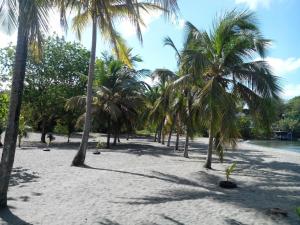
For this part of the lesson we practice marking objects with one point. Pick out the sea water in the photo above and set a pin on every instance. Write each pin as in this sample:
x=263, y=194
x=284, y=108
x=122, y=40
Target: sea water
x=293, y=146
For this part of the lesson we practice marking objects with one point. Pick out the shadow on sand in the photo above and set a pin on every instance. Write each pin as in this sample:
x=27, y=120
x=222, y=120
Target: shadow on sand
x=164, y=217
x=21, y=175
x=11, y=219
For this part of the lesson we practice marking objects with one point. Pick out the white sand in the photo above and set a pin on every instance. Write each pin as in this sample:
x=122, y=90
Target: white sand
x=141, y=182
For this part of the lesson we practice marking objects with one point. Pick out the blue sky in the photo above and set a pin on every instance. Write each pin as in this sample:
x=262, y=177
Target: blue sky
x=279, y=20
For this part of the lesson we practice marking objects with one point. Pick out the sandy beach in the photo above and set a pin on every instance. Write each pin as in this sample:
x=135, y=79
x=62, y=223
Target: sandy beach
x=142, y=182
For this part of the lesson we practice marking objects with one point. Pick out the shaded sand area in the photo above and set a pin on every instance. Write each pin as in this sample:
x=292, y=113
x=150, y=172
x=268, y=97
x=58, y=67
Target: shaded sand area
x=141, y=182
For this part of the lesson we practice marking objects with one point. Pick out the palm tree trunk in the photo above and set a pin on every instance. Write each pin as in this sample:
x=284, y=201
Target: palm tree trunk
x=177, y=141
x=20, y=139
x=159, y=134
x=80, y=156
x=160, y=131
x=8, y=153
x=209, y=151
x=108, y=134
x=43, y=136
x=171, y=130
x=186, y=146
x=1, y=140
x=156, y=133
x=115, y=137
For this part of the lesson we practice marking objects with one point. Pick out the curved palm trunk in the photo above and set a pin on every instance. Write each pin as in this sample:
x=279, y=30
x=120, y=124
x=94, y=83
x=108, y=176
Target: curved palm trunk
x=11, y=133
x=209, y=151
x=80, y=156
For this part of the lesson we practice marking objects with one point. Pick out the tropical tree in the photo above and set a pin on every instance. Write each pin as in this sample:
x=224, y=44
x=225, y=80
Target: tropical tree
x=224, y=60
x=118, y=99
x=58, y=75
x=161, y=105
x=29, y=16
x=23, y=130
x=102, y=14
x=3, y=113
x=183, y=89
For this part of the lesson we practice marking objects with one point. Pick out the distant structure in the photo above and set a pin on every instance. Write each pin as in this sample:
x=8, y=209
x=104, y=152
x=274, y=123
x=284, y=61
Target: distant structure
x=283, y=135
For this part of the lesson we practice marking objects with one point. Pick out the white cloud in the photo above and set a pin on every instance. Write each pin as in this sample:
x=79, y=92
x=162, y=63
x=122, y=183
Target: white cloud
x=282, y=67
x=291, y=90
x=253, y=4
x=128, y=30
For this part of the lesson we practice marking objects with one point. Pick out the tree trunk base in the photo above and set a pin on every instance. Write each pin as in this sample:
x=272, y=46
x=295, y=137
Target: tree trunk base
x=3, y=203
x=207, y=166
x=78, y=161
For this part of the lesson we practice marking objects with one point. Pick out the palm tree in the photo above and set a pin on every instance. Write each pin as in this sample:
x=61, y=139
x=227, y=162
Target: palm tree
x=183, y=93
x=224, y=61
x=29, y=16
x=103, y=13
x=161, y=105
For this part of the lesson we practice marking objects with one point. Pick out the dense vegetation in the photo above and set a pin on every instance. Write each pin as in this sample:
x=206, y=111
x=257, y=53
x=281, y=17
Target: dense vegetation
x=218, y=90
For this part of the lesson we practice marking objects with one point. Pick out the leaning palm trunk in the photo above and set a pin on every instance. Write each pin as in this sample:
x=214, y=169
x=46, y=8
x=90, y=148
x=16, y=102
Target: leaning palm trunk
x=209, y=151
x=11, y=133
x=80, y=156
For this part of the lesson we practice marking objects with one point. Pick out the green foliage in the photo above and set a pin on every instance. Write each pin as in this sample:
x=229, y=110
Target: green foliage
x=298, y=211
x=4, y=103
x=101, y=145
x=245, y=126
x=23, y=129
x=60, y=128
x=59, y=75
x=229, y=170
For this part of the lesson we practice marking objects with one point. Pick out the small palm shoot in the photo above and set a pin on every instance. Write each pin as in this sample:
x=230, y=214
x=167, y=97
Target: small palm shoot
x=228, y=184
x=229, y=170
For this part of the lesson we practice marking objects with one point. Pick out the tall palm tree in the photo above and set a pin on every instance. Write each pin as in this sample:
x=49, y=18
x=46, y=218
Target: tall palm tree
x=183, y=88
x=161, y=106
x=103, y=14
x=30, y=17
x=224, y=60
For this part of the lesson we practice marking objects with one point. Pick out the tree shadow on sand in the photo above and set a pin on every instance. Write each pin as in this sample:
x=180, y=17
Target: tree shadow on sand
x=9, y=218
x=21, y=175
x=278, y=185
x=141, y=149
x=164, y=217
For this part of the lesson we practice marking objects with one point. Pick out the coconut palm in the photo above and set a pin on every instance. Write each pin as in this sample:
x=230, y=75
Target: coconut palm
x=161, y=105
x=103, y=14
x=29, y=17
x=183, y=91
x=118, y=97
x=224, y=60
